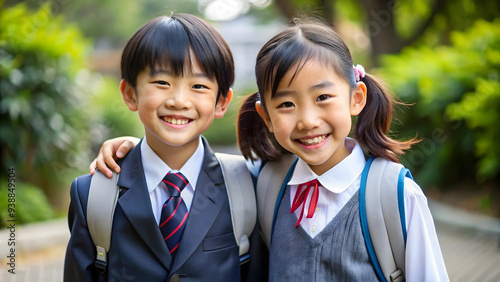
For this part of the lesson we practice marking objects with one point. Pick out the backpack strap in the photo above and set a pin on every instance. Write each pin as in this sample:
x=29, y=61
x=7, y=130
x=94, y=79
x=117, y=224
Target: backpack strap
x=270, y=188
x=101, y=204
x=241, y=194
x=104, y=192
x=381, y=194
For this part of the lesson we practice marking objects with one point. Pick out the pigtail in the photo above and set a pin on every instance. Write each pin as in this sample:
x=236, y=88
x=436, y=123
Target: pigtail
x=253, y=137
x=374, y=122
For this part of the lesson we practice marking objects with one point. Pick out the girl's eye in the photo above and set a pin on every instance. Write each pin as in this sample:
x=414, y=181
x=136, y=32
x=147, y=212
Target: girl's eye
x=322, y=97
x=286, y=105
x=199, y=86
x=161, y=82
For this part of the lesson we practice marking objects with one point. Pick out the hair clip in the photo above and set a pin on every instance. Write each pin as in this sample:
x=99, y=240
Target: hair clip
x=359, y=72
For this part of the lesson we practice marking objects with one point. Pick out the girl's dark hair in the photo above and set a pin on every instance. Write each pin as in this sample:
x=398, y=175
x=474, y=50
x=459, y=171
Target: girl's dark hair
x=289, y=51
x=165, y=42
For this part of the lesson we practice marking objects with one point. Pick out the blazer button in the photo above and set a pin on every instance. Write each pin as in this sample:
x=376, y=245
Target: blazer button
x=175, y=278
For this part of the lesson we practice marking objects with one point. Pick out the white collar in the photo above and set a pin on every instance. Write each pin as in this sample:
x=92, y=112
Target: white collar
x=338, y=178
x=155, y=169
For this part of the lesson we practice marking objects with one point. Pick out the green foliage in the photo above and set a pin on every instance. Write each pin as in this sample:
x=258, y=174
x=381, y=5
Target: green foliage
x=44, y=83
x=31, y=204
x=479, y=107
x=55, y=114
x=450, y=85
x=113, y=116
x=114, y=21
x=223, y=131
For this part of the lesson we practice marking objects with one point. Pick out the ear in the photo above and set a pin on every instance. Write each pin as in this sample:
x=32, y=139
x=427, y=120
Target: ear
x=358, y=99
x=129, y=95
x=223, y=104
x=263, y=114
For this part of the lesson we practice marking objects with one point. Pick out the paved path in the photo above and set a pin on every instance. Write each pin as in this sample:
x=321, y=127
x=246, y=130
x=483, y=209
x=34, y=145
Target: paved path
x=469, y=242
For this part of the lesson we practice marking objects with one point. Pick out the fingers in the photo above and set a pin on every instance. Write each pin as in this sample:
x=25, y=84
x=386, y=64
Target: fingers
x=92, y=167
x=105, y=160
x=110, y=151
x=124, y=148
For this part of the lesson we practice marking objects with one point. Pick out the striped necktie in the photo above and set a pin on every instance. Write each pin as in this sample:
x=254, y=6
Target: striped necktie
x=174, y=211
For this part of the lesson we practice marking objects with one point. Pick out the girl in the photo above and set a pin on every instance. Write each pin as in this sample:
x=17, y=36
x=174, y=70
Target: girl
x=308, y=94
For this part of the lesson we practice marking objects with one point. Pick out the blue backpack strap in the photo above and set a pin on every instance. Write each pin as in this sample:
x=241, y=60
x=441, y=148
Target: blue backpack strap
x=401, y=197
x=381, y=194
x=364, y=220
x=281, y=193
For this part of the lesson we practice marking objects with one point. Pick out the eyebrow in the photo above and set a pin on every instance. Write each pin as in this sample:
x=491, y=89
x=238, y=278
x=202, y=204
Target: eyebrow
x=321, y=85
x=203, y=75
x=167, y=72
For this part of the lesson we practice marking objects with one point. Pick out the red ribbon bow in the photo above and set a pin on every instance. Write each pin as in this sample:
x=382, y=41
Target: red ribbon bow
x=301, y=196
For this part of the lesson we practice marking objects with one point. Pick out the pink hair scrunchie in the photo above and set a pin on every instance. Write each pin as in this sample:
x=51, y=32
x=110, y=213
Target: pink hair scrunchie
x=359, y=72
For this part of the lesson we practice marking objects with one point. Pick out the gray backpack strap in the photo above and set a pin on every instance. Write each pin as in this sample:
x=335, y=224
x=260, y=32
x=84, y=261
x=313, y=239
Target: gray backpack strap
x=103, y=196
x=241, y=194
x=269, y=183
x=384, y=220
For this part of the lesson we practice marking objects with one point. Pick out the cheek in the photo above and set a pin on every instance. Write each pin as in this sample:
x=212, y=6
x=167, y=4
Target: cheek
x=148, y=106
x=205, y=106
x=342, y=122
x=282, y=127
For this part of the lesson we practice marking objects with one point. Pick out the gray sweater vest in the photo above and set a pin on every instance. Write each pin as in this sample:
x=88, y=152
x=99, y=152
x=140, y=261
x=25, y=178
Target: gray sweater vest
x=337, y=253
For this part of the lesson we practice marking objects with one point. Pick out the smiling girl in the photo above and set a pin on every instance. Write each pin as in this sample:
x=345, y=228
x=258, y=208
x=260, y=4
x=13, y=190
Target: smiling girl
x=309, y=93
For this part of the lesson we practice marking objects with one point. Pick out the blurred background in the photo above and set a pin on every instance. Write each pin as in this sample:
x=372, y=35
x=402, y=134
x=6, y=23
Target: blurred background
x=59, y=75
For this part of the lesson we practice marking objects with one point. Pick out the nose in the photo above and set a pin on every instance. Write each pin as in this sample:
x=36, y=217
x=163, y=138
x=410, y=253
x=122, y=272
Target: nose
x=308, y=119
x=180, y=99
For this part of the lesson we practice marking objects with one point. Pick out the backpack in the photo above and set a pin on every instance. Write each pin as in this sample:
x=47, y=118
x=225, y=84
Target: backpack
x=381, y=205
x=104, y=193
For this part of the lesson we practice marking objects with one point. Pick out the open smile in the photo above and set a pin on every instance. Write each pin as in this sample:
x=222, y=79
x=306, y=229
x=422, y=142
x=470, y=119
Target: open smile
x=176, y=121
x=313, y=140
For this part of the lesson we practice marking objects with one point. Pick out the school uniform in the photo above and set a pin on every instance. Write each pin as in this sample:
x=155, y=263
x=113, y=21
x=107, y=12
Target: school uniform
x=207, y=250
x=330, y=245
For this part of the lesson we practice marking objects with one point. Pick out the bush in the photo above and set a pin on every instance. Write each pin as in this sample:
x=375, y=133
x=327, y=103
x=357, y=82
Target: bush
x=450, y=85
x=31, y=204
x=43, y=84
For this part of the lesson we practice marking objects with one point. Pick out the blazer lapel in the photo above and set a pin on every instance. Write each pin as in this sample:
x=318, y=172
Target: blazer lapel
x=209, y=196
x=136, y=205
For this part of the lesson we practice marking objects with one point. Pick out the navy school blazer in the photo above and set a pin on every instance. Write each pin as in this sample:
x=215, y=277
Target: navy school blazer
x=207, y=251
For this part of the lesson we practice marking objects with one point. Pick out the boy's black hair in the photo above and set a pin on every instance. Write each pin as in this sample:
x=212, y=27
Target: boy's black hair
x=165, y=42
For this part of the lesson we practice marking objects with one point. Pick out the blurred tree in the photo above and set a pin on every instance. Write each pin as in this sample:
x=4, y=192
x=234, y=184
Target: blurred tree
x=110, y=23
x=394, y=24
x=43, y=86
x=479, y=107
x=450, y=85
x=55, y=114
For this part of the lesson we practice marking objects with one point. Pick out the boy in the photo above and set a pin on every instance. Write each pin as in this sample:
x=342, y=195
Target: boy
x=176, y=73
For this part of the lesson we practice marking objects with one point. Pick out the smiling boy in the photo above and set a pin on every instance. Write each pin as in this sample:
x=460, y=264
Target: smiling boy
x=176, y=73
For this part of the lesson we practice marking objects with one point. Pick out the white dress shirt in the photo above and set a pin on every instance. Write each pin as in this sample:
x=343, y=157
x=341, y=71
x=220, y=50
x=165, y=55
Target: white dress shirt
x=424, y=261
x=155, y=169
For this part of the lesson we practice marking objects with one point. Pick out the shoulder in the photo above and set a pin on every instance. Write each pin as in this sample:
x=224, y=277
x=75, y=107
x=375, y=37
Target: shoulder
x=82, y=182
x=80, y=188
x=412, y=189
x=415, y=199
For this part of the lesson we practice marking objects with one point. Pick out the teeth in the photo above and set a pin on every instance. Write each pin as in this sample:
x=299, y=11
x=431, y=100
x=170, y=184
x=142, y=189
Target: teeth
x=176, y=121
x=313, y=141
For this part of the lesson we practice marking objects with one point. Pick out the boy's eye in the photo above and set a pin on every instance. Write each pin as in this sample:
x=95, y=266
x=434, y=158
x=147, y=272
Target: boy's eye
x=199, y=86
x=161, y=82
x=286, y=105
x=322, y=97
